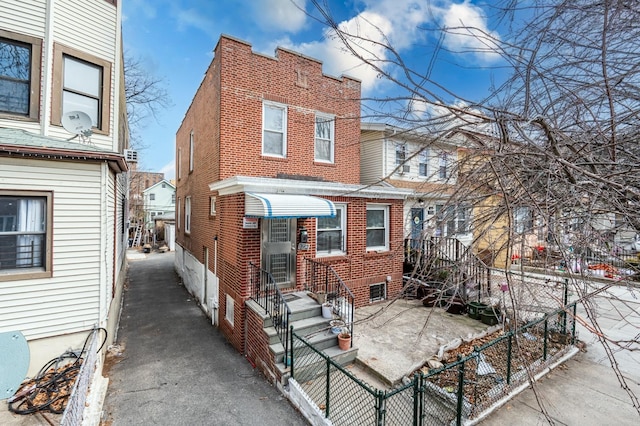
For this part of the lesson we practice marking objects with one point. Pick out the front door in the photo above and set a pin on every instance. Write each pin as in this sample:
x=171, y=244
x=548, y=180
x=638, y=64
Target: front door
x=417, y=220
x=279, y=250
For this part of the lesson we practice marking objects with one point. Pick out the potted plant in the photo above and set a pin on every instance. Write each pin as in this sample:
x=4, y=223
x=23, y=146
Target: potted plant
x=344, y=339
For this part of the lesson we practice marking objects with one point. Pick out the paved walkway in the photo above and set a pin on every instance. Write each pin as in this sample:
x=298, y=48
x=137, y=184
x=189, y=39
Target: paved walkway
x=175, y=368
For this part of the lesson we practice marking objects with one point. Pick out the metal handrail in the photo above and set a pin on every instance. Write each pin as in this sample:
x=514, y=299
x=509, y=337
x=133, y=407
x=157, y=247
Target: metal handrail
x=265, y=291
x=442, y=253
x=322, y=277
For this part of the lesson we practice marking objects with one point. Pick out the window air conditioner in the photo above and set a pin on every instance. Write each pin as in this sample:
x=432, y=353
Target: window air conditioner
x=131, y=155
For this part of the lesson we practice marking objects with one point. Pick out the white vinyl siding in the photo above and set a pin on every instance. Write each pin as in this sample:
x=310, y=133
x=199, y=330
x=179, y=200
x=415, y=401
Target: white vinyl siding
x=69, y=301
x=371, y=158
x=23, y=17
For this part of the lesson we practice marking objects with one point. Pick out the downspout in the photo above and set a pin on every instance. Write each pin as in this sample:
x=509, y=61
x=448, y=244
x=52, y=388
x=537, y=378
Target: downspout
x=47, y=66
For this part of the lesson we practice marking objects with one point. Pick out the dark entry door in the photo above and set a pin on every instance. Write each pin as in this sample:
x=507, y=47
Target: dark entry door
x=279, y=250
x=417, y=223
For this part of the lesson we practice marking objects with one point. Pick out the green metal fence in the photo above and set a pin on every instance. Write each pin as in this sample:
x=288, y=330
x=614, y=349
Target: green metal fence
x=476, y=378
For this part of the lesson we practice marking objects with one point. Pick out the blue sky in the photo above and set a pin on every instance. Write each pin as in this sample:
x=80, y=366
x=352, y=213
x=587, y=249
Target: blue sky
x=175, y=40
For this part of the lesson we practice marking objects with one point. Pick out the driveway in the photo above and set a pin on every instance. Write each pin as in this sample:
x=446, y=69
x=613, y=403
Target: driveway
x=171, y=367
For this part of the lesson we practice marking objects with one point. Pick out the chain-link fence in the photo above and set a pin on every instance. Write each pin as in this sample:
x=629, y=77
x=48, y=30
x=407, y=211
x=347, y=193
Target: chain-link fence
x=472, y=379
x=74, y=410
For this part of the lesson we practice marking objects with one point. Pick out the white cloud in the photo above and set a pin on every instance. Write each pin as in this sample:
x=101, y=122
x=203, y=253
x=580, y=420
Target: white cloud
x=280, y=15
x=400, y=25
x=169, y=170
x=467, y=31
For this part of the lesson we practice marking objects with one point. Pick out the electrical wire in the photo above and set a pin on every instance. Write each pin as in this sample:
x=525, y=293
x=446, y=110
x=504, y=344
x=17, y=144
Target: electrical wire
x=51, y=388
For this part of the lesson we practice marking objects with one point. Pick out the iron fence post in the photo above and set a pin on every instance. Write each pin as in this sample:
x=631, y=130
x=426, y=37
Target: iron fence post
x=565, y=301
x=417, y=399
x=573, y=324
x=509, y=349
x=291, y=355
x=460, y=392
x=546, y=338
x=380, y=409
x=327, y=392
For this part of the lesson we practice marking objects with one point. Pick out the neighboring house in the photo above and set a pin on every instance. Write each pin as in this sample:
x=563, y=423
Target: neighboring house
x=63, y=206
x=268, y=173
x=413, y=160
x=138, y=182
x=159, y=200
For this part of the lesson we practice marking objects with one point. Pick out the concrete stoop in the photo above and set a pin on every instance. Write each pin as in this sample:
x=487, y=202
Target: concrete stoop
x=308, y=322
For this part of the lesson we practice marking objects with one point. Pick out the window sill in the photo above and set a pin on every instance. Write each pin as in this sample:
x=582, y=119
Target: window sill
x=332, y=257
x=30, y=275
x=376, y=253
x=324, y=163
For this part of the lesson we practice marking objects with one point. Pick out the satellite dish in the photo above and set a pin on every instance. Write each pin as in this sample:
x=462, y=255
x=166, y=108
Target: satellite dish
x=77, y=122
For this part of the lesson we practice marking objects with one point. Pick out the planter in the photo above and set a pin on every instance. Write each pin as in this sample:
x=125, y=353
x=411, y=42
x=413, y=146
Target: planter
x=344, y=341
x=475, y=308
x=490, y=316
x=327, y=310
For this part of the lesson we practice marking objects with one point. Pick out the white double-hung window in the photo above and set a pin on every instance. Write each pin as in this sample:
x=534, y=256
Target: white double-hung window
x=324, y=146
x=331, y=232
x=274, y=129
x=377, y=227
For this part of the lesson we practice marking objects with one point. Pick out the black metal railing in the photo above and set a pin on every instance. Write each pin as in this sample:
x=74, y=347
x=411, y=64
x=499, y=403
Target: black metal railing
x=463, y=389
x=265, y=291
x=449, y=262
x=321, y=277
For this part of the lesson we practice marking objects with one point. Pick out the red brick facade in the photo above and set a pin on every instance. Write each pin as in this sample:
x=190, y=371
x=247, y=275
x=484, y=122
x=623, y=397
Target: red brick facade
x=225, y=123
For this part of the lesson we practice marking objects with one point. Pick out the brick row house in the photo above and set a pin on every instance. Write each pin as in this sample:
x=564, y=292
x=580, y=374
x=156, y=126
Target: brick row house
x=63, y=197
x=268, y=173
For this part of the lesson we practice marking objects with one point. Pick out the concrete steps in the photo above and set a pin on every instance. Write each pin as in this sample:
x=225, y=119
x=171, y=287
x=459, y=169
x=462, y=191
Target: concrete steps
x=307, y=321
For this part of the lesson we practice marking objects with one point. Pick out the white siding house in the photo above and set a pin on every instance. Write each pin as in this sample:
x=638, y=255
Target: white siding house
x=413, y=160
x=62, y=198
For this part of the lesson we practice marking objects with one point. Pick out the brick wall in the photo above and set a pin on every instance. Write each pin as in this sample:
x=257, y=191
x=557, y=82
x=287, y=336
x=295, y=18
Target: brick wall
x=225, y=117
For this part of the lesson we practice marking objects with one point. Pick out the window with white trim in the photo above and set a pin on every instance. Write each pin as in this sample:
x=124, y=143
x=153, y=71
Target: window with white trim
x=179, y=163
x=523, y=219
x=443, y=166
x=19, y=74
x=191, y=149
x=274, y=129
x=187, y=215
x=377, y=227
x=25, y=234
x=212, y=205
x=331, y=233
x=377, y=292
x=453, y=219
x=401, y=154
x=324, y=145
x=229, y=309
x=179, y=213
x=423, y=165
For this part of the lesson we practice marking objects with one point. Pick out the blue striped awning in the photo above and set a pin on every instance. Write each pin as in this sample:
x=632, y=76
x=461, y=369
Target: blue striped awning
x=271, y=206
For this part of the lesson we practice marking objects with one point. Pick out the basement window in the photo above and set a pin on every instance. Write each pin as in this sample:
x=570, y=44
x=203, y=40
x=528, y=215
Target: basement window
x=377, y=292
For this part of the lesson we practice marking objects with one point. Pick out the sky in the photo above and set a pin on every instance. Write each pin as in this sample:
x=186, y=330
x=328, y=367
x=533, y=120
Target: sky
x=174, y=40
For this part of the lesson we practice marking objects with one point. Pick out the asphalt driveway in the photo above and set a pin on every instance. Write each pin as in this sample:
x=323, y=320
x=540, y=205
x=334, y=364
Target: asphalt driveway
x=171, y=367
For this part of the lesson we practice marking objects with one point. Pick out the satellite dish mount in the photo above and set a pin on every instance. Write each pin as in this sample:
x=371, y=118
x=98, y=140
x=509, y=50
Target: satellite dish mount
x=78, y=123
